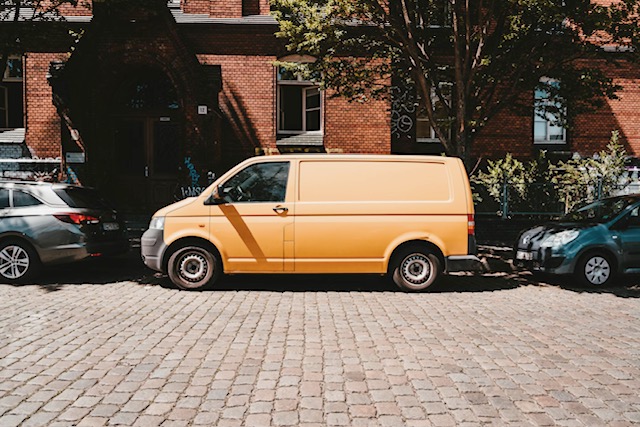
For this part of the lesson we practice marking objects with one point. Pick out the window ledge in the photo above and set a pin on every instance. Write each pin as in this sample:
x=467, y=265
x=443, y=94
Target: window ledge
x=315, y=139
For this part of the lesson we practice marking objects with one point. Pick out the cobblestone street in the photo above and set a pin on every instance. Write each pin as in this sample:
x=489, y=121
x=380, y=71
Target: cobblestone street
x=314, y=351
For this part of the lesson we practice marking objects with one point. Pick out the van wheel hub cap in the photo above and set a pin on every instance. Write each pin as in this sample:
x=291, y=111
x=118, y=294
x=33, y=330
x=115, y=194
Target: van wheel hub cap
x=597, y=270
x=14, y=262
x=193, y=267
x=416, y=268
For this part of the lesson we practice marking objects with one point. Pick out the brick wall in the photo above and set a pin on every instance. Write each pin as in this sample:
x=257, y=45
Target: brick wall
x=353, y=127
x=593, y=131
x=42, y=122
x=82, y=9
x=512, y=133
x=247, y=101
x=226, y=8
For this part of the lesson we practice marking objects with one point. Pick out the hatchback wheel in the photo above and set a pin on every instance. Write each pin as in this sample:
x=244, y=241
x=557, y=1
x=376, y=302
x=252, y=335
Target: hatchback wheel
x=595, y=269
x=18, y=261
x=415, y=269
x=194, y=268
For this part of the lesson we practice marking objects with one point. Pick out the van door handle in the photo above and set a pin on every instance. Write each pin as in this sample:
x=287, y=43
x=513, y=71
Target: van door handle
x=280, y=209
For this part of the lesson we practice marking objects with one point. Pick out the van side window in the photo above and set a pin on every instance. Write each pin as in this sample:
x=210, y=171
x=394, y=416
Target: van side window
x=22, y=199
x=262, y=182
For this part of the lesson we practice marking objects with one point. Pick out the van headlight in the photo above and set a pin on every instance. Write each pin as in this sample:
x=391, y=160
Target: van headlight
x=560, y=239
x=157, y=223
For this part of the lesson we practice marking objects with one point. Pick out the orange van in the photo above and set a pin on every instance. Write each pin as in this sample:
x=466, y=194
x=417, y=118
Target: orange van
x=409, y=216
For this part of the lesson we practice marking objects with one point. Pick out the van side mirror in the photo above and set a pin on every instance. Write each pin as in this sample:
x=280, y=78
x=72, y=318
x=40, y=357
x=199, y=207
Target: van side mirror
x=214, y=198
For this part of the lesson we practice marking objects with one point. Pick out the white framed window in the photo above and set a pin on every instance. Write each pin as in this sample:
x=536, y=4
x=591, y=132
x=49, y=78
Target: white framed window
x=424, y=131
x=13, y=71
x=546, y=129
x=299, y=104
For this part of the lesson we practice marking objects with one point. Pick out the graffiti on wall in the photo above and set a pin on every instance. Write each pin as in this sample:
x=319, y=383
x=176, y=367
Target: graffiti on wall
x=194, y=188
x=403, y=112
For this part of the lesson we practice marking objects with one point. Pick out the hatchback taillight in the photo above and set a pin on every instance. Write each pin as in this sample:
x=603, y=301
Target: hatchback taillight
x=79, y=219
x=471, y=225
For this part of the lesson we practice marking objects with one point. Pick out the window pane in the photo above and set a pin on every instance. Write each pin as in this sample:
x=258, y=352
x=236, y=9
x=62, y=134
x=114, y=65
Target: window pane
x=284, y=74
x=4, y=198
x=77, y=197
x=22, y=199
x=14, y=68
x=556, y=133
x=264, y=182
x=540, y=130
x=313, y=98
x=313, y=120
x=423, y=129
x=291, y=108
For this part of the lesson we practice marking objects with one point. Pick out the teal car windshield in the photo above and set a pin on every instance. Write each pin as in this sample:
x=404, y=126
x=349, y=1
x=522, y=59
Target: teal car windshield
x=601, y=211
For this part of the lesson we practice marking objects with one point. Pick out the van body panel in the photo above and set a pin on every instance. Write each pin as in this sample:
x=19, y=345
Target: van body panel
x=252, y=235
x=187, y=218
x=374, y=181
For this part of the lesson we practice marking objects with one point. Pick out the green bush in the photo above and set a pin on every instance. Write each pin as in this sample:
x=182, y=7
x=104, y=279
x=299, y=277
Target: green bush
x=539, y=186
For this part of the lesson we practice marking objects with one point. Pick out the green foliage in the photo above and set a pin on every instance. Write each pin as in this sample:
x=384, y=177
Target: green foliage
x=492, y=53
x=541, y=186
x=598, y=176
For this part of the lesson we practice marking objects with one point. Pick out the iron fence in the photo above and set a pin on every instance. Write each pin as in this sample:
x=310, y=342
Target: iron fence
x=542, y=199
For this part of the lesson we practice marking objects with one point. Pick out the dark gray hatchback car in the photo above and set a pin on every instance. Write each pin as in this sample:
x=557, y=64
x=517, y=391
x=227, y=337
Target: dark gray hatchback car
x=51, y=223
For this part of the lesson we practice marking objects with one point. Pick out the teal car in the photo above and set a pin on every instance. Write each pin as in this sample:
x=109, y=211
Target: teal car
x=594, y=243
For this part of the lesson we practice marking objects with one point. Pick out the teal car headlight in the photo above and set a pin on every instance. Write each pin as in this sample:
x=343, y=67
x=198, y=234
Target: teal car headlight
x=157, y=223
x=560, y=239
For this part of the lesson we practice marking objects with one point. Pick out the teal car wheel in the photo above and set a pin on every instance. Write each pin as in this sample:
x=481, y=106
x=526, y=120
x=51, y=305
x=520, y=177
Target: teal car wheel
x=595, y=269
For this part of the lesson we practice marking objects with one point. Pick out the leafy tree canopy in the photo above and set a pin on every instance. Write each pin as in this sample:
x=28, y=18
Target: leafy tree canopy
x=491, y=53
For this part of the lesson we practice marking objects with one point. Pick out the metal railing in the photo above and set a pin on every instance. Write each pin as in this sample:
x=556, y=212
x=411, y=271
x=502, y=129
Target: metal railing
x=542, y=199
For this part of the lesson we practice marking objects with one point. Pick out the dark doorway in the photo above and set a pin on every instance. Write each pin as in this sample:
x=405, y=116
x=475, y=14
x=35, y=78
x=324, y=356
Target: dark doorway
x=148, y=134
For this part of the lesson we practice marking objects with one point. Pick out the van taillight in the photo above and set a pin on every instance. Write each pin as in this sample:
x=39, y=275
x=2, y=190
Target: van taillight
x=74, y=218
x=471, y=225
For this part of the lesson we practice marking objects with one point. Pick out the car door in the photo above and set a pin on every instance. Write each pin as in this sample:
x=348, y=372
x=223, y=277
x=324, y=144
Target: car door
x=249, y=229
x=4, y=208
x=627, y=236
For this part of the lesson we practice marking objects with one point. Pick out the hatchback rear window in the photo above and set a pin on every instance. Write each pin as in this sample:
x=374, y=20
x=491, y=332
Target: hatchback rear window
x=82, y=198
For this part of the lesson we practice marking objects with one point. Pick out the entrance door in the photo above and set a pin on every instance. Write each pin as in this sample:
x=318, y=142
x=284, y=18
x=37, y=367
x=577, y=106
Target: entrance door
x=147, y=161
x=147, y=135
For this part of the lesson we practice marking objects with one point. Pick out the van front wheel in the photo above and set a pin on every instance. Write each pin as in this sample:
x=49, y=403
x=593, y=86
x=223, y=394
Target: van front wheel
x=194, y=268
x=416, y=269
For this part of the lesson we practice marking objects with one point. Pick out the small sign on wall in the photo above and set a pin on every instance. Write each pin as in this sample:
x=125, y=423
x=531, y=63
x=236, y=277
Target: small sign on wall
x=203, y=109
x=75, y=157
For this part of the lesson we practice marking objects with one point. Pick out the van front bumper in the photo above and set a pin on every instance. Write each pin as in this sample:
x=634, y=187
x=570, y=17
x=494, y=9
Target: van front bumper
x=463, y=263
x=152, y=249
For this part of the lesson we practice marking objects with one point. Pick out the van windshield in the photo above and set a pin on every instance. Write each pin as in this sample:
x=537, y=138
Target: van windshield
x=601, y=211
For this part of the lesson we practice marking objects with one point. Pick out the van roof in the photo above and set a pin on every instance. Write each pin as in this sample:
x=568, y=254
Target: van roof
x=332, y=156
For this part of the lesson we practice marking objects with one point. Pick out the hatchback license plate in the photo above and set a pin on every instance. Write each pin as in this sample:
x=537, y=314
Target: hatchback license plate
x=110, y=226
x=525, y=256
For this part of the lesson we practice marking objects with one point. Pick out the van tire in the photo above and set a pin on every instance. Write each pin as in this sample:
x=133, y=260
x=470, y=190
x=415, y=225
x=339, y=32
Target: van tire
x=194, y=268
x=415, y=269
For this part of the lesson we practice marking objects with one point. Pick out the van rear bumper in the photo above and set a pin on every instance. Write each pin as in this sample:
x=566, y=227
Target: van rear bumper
x=463, y=263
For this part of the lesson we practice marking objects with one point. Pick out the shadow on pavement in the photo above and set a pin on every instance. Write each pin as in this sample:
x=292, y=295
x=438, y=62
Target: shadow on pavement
x=129, y=268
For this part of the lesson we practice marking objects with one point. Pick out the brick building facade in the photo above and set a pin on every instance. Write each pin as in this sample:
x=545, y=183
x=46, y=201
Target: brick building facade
x=155, y=95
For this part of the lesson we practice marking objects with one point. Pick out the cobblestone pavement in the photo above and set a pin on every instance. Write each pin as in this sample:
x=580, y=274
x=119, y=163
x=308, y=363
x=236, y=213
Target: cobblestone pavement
x=314, y=351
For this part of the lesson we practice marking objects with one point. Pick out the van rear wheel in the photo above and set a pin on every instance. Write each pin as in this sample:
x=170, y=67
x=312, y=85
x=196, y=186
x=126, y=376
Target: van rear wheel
x=416, y=269
x=194, y=268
